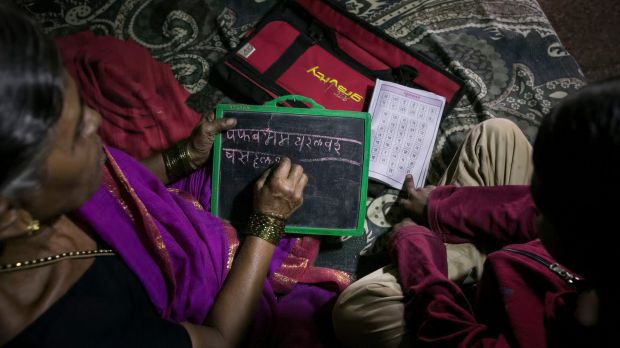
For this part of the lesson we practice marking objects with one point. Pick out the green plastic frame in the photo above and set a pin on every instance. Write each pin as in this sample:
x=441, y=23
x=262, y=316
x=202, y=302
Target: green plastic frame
x=316, y=110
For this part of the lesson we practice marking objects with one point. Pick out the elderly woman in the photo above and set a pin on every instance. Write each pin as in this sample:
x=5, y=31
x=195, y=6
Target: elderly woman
x=96, y=251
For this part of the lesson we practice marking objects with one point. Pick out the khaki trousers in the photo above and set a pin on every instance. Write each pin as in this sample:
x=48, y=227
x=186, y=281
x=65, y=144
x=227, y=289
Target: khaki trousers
x=370, y=312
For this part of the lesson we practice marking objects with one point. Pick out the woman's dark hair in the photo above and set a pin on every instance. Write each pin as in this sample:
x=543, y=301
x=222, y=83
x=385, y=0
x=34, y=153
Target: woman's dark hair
x=31, y=99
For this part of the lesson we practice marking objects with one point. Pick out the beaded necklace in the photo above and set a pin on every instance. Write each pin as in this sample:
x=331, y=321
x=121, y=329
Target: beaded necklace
x=44, y=261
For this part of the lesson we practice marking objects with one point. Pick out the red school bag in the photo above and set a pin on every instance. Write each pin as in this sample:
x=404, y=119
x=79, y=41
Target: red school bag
x=317, y=49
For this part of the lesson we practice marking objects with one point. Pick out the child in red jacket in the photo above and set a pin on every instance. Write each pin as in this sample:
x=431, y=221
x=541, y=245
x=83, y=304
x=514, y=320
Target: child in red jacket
x=552, y=291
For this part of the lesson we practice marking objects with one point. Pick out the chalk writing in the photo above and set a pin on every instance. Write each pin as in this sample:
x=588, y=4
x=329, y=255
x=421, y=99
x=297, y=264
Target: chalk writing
x=253, y=158
x=301, y=141
x=336, y=159
x=263, y=159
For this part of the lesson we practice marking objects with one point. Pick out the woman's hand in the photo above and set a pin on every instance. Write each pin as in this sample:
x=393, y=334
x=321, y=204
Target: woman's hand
x=279, y=191
x=416, y=201
x=203, y=135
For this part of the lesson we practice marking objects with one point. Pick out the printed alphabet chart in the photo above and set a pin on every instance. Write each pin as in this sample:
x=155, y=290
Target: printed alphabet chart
x=404, y=127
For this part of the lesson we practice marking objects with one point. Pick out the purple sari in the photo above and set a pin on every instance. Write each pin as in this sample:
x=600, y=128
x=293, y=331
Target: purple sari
x=182, y=254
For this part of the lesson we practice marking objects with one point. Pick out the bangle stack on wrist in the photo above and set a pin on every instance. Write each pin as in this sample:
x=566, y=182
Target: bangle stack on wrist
x=266, y=227
x=178, y=160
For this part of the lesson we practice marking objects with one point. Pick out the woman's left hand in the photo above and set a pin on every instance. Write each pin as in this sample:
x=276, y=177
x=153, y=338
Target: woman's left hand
x=203, y=135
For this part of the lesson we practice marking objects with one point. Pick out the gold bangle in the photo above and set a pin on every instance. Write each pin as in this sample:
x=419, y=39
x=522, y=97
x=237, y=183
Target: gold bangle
x=178, y=160
x=274, y=214
x=266, y=227
x=187, y=155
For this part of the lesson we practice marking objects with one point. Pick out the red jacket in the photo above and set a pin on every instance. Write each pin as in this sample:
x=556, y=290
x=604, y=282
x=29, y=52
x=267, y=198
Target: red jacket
x=519, y=301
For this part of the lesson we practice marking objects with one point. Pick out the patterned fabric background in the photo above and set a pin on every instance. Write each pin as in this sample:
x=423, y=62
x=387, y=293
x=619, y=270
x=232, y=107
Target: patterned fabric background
x=511, y=59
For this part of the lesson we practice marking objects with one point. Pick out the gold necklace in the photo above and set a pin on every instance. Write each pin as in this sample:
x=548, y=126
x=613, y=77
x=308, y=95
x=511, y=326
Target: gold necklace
x=44, y=261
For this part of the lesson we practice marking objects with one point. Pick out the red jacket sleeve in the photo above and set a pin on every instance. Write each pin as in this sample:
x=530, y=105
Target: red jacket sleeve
x=436, y=309
x=492, y=216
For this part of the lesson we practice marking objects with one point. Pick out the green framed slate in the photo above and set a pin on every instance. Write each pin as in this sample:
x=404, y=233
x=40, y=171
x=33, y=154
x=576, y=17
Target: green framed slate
x=331, y=145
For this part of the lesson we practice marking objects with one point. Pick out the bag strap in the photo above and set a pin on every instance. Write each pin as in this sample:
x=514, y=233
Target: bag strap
x=326, y=37
x=290, y=55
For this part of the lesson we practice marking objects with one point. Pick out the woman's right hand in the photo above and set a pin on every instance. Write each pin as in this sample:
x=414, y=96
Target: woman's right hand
x=279, y=191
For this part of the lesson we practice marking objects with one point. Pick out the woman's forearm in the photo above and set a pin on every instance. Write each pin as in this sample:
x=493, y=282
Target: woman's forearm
x=237, y=302
x=277, y=194
x=155, y=163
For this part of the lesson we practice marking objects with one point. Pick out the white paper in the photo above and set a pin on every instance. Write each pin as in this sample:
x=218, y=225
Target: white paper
x=404, y=127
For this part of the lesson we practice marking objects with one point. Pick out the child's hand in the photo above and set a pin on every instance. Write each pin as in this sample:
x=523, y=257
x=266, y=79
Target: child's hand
x=416, y=200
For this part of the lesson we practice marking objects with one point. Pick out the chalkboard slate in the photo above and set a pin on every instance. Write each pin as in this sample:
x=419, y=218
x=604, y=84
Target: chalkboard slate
x=332, y=147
